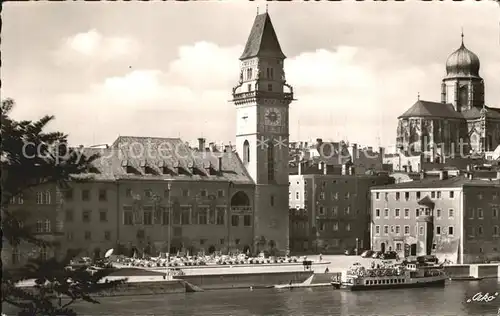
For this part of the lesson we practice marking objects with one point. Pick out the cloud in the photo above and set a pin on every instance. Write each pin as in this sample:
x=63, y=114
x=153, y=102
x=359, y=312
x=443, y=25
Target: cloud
x=346, y=91
x=95, y=47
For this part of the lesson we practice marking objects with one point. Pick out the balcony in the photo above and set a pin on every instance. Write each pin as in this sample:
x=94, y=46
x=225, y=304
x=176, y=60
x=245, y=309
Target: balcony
x=241, y=209
x=245, y=96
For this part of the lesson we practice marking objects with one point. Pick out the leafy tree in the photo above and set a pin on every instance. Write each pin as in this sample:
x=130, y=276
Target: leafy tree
x=31, y=158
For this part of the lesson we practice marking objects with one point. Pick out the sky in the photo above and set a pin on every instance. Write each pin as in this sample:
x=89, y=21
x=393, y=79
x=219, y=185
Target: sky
x=166, y=69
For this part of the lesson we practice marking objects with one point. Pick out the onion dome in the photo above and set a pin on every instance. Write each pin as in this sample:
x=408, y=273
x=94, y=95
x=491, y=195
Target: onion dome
x=462, y=63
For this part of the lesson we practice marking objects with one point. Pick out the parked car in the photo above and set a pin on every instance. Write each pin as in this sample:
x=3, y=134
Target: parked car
x=377, y=254
x=367, y=254
x=349, y=252
x=389, y=255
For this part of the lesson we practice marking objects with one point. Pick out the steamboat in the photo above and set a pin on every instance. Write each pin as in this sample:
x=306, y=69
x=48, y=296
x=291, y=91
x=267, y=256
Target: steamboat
x=406, y=275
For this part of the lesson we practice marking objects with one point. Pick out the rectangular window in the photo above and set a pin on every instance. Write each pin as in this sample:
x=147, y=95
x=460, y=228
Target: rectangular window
x=438, y=230
x=417, y=195
x=322, y=195
x=398, y=229
x=221, y=211
x=86, y=216
x=471, y=231
x=68, y=195
x=421, y=230
x=450, y=213
x=377, y=230
x=202, y=215
x=107, y=235
x=347, y=210
x=347, y=195
x=39, y=198
x=450, y=230
x=494, y=213
x=377, y=212
x=386, y=230
x=321, y=210
x=203, y=193
x=407, y=213
x=185, y=215
x=336, y=226
x=185, y=193
x=377, y=196
x=128, y=192
x=397, y=212
x=386, y=213
x=85, y=195
x=407, y=230
x=398, y=248
x=269, y=87
x=297, y=195
x=235, y=220
x=103, y=195
x=69, y=215
x=247, y=220
x=452, y=194
x=165, y=218
x=433, y=195
x=438, y=194
x=220, y=193
x=407, y=196
x=397, y=196
x=335, y=211
x=148, y=218
x=103, y=215
x=471, y=213
x=348, y=227
x=88, y=235
x=128, y=218
x=480, y=213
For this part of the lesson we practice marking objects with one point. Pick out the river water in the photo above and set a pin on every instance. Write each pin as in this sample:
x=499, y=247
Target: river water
x=448, y=301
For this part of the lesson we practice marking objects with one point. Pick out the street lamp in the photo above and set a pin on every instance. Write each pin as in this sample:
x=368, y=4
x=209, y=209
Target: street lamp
x=169, y=187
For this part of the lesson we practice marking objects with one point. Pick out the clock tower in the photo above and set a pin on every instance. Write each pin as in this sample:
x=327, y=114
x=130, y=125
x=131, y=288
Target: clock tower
x=262, y=98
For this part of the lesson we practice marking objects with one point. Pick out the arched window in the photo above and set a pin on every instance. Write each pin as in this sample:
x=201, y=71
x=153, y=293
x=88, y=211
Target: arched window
x=270, y=161
x=246, y=152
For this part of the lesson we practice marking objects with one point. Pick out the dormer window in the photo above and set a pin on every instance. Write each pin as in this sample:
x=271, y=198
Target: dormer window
x=149, y=170
x=128, y=167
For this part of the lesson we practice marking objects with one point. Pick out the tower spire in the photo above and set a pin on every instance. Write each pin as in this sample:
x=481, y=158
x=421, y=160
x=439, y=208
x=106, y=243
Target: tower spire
x=257, y=10
x=267, y=7
x=418, y=96
x=462, y=35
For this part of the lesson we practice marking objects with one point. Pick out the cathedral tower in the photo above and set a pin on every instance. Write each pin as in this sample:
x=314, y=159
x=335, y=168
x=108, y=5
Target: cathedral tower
x=462, y=86
x=262, y=98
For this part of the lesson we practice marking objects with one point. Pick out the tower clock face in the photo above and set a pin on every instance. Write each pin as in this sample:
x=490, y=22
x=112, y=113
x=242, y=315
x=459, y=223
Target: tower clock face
x=273, y=117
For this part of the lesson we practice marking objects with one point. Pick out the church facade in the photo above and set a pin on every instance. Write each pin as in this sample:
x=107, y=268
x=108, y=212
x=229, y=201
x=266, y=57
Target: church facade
x=461, y=124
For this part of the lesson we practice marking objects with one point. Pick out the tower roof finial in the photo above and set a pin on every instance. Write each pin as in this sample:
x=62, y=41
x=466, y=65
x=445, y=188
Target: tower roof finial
x=267, y=7
x=462, y=35
x=418, y=96
x=257, y=10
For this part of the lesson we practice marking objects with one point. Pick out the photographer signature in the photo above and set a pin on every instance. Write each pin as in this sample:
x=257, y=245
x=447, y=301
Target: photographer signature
x=480, y=297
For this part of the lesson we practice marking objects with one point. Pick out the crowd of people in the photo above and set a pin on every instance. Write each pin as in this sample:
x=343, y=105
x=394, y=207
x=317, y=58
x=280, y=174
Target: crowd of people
x=199, y=260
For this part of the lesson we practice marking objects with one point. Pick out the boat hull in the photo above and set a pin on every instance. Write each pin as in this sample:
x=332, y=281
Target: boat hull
x=434, y=283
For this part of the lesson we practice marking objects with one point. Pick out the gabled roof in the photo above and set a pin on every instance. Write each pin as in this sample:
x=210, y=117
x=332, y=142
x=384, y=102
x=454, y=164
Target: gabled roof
x=155, y=154
x=426, y=201
x=262, y=41
x=431, y=109
x=434, y=183
x=475, y=113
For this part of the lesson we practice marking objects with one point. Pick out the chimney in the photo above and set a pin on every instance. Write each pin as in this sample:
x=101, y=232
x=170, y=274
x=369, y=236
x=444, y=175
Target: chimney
x=422, y=175
x=344, y=169
x=324, y=168
x=219, y=167
x=468, y=167
x=319, y=141
x=201, y=144
x=299, y=170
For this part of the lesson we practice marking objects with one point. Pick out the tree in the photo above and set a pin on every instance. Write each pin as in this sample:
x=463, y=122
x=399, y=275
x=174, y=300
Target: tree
x=31, y=158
